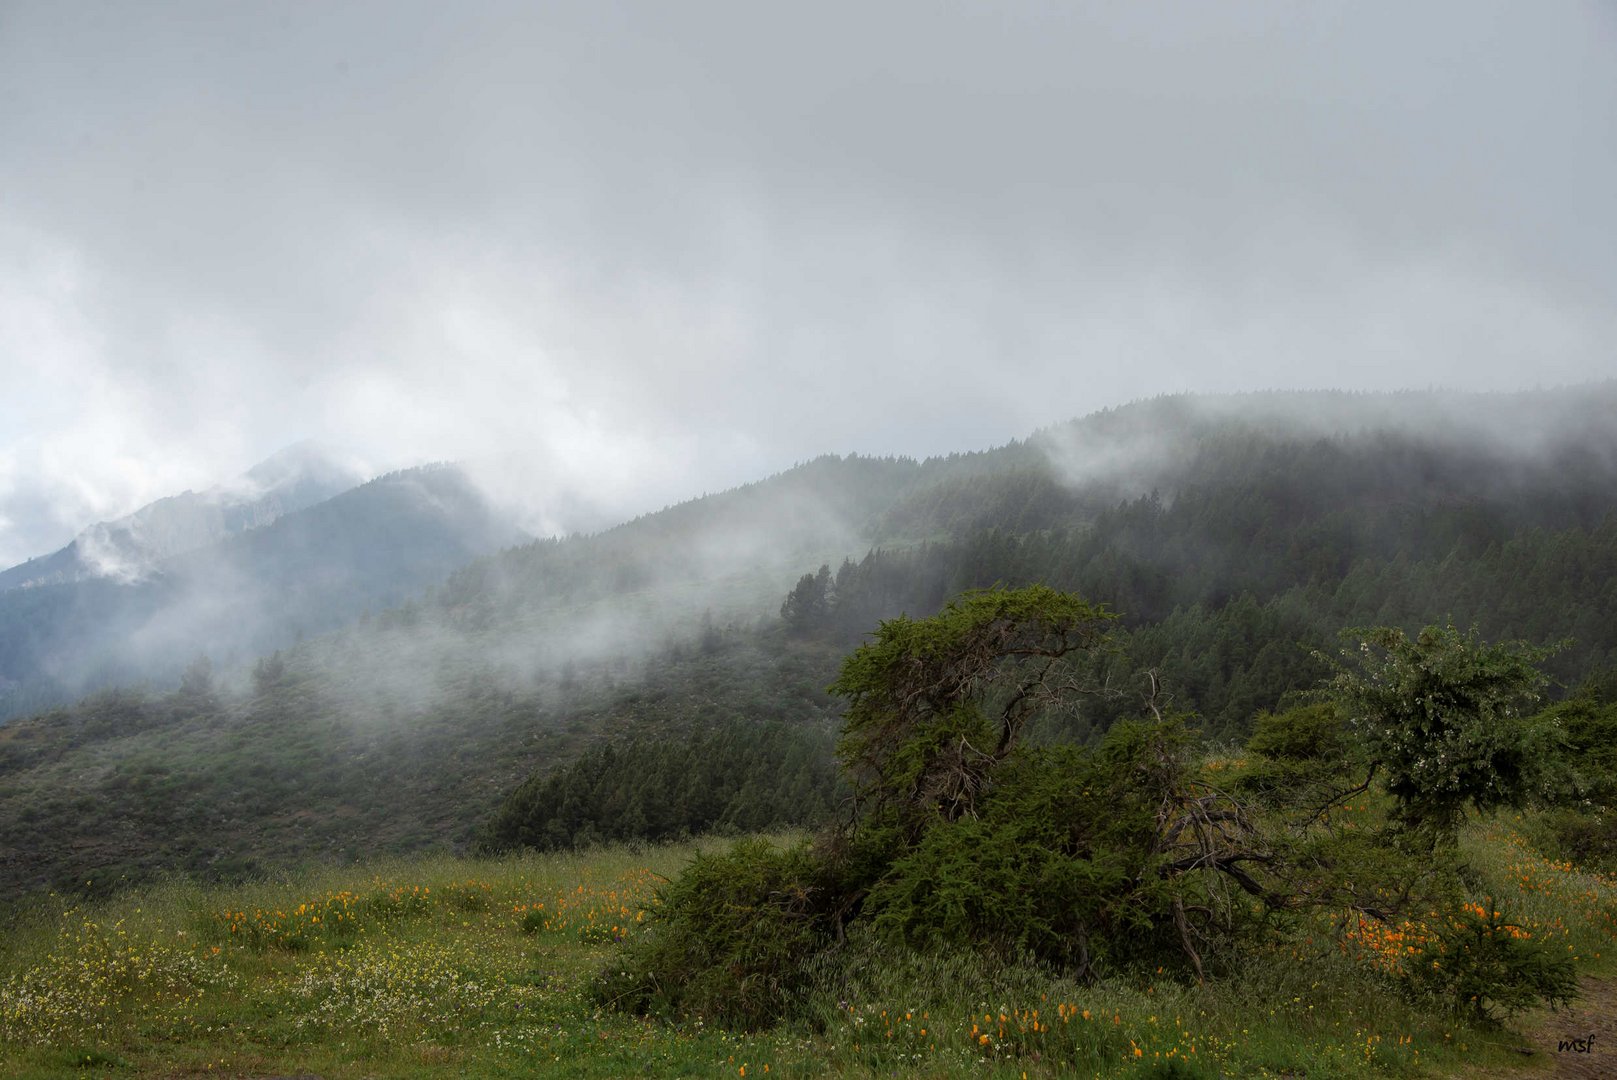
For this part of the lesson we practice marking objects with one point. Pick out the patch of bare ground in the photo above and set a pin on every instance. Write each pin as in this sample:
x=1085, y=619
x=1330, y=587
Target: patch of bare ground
x=1578, y=1042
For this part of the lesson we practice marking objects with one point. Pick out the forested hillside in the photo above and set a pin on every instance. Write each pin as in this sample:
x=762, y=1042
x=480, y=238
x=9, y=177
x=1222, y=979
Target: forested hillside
x=1234, y=537
x=1227, y=581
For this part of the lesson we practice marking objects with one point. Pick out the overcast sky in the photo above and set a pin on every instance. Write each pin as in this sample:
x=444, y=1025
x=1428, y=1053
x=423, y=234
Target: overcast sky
x=640, y=251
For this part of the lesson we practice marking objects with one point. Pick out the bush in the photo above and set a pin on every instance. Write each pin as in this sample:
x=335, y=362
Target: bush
x=1308, y=733
x=1061, y=864
x=966, y=837
x=1300, y=758
x=1586, y=836
x=1483, y=964
x=728, y=940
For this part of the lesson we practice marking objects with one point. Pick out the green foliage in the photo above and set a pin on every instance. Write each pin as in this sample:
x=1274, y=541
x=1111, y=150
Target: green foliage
x=1066, y=854
x=1062, y=863
x=807, y=606
x=746, y=777
x=1303, y=758
x=408, y=729
x=729, y=939
x=1583, y=828
x=1107, y=857
x=1309, y=733
x=935, y=704
x=437, y=989
x=1446, y=719
x=1483, y=964
x=1587, y=723
x=1586, y=837
x=332, y=751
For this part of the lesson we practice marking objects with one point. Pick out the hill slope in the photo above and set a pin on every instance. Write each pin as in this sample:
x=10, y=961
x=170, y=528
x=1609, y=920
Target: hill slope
x=1235, y=535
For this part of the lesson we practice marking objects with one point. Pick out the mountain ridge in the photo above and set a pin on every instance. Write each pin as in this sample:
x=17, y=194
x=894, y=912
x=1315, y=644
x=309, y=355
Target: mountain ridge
x=1235, y=548
x=303, y=572
x=130, y=547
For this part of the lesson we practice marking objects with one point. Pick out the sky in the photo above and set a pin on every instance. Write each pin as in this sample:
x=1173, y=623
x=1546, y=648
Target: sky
x=621, y=254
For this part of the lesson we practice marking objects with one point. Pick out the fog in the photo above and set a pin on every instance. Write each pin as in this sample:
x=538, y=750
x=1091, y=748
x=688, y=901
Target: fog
x=612, y=257
x=1134, y=449
x=617, y=255
x=388, y=665
x=118, y=608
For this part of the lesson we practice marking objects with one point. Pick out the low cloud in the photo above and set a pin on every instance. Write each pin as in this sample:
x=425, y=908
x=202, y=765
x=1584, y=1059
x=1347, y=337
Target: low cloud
x=616, y=255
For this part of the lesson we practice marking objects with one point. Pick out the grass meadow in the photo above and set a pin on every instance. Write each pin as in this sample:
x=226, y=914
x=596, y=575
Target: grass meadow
x=482, y=968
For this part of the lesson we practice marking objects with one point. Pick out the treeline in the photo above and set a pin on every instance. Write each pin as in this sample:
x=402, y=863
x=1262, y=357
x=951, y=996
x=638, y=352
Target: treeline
x=739, y=777
x=1229, y=583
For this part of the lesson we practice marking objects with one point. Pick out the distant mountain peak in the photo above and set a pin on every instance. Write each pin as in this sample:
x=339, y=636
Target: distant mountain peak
x=129, y=548
x=304, y=461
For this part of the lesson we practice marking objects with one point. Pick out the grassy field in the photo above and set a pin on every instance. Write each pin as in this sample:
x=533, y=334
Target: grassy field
x=482, y=969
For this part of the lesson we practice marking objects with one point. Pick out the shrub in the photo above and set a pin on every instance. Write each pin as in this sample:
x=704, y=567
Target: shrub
x=1063, y=863
x=1301, y=758
x=729, y=939
x=1483, y=964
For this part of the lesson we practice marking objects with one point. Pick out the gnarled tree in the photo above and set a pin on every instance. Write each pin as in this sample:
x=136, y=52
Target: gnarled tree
x=935, y=704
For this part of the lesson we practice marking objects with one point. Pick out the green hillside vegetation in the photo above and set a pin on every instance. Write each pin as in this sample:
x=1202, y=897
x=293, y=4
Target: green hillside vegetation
x=1234, y=538
x=310, y=764
x=1133, y=855
x=536, y=965
x=740, y=777
x=1177, y=825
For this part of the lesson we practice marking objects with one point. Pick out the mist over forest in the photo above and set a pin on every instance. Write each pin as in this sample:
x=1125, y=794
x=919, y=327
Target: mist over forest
x=386, y=671
x=943, y=540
